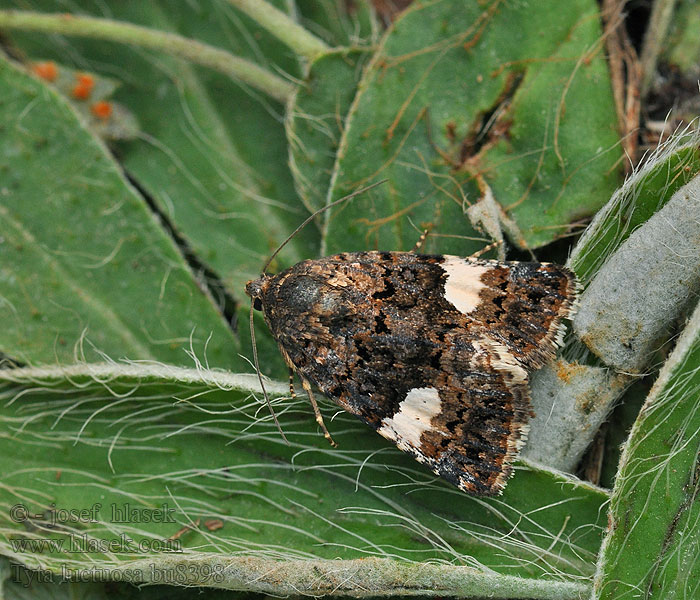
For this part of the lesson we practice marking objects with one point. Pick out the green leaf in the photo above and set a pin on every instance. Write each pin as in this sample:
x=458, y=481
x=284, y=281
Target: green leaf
x=339, y=23
x=212, y=155
x=200, y=443
x=650, y=221
x=618, y=427
x=249, y=512
x=668, y=169
x=315, y=121
x=82, y=256
x=515, y=93
x=682, y=48
x=651, y=548
x=113, y=122
x=619, y=329
x=316, y=114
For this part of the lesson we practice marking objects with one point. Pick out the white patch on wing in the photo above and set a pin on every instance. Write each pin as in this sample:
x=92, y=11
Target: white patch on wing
x=463, y=283
x=503, y=359
x=413, y=417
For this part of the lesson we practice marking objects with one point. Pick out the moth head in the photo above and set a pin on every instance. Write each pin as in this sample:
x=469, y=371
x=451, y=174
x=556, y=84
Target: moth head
x=255, y=288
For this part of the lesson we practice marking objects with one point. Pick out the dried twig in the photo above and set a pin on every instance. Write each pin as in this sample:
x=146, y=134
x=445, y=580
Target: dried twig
x=625, y=74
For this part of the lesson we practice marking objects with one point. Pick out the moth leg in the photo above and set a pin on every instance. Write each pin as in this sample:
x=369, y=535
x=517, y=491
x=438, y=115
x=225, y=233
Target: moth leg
x=319, y=418
x=292, y=393
x=485, y=249
x=421, y=241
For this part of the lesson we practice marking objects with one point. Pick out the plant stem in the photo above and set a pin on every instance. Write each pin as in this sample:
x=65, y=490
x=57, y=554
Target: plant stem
x=654, y=38
x=282, y=27
x=223, y=380
x=117, y=31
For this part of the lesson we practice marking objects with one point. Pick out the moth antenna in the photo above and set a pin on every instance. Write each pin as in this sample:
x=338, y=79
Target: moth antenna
x=314, y=215
x=260, y=379
x=421, y=241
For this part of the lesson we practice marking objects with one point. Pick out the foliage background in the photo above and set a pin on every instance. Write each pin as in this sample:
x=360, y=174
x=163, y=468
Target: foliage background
x=121, y=287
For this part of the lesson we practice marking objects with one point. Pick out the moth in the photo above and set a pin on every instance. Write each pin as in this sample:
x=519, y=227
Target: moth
x=432, y=351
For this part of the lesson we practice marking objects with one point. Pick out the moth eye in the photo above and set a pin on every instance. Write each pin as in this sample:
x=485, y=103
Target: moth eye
x=257, y=304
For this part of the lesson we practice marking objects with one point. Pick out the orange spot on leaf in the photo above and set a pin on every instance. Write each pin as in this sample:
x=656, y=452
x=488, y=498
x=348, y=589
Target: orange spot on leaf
x=85, y=79
x=102, y=110
x=46, y=70
x=83, y=86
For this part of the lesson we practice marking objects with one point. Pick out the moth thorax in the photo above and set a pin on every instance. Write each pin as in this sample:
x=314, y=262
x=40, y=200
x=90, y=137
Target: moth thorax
x=304, y=294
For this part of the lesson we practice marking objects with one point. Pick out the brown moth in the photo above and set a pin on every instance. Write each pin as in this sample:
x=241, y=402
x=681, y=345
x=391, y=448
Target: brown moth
x=432, y=351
